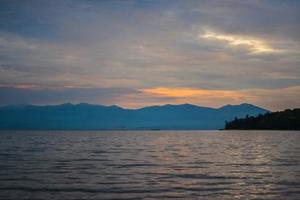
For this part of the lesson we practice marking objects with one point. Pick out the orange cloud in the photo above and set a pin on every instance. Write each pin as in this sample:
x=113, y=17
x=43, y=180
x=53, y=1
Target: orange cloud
x=273, y=99
x=191, y=92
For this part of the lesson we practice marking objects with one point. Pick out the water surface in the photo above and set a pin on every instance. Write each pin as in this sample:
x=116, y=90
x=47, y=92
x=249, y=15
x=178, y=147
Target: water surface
x=149, y=165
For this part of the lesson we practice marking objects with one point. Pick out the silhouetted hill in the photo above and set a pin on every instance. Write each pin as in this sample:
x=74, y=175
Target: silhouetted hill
x=284, y=120
x=87, y=116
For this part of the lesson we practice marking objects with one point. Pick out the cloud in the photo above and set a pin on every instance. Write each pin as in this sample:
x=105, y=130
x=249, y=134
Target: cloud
x=145, y=46
x=31, y=94
x=254, y=45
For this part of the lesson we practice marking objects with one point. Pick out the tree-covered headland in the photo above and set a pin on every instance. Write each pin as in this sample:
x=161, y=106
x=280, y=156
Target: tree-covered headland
x=282, y=120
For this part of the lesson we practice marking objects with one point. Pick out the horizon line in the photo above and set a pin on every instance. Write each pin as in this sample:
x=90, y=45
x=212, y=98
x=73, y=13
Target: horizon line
x=126, y=108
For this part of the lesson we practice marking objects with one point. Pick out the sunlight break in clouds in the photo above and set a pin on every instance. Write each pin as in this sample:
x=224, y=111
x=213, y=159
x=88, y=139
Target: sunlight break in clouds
x=255, y=45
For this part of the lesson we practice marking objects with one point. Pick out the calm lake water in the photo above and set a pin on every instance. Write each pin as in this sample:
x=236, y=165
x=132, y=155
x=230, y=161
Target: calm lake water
x=149, y=165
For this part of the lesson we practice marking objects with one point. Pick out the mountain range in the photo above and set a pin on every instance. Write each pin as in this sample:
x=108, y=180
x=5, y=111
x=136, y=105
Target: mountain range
x=92, y=117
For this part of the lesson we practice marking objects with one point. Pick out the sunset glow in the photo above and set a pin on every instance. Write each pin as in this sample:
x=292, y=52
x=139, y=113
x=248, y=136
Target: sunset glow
x=191, y=92
x=149, y=99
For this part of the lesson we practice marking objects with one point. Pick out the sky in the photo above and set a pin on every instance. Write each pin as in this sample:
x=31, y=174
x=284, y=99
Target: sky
x=137, y=53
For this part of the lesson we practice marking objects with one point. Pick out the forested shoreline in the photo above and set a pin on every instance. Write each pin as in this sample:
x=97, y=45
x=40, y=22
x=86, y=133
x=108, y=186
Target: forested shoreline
x=283, y=120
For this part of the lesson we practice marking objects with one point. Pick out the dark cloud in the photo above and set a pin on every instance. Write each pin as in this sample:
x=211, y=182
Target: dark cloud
x=10, y=95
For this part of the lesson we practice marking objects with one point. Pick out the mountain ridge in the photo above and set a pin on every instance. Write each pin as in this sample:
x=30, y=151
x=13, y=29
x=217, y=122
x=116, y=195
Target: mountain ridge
x=115, y=105
x=90, y=116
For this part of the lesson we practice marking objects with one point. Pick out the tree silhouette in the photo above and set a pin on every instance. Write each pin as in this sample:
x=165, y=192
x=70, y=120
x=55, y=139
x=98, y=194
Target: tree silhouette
x=283, y=120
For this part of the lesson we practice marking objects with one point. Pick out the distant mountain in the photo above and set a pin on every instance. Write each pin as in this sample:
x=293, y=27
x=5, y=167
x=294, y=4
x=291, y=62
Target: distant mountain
x=86, y=116
x=284, y=120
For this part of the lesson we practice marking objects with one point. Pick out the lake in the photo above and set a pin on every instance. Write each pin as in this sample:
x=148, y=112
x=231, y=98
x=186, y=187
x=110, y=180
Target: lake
x=149, y=165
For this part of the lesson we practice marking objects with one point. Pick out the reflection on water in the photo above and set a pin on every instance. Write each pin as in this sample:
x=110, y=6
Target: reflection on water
x=149, y=165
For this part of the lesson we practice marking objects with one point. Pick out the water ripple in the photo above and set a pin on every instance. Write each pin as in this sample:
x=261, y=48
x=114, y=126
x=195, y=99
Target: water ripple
x=149, y=165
